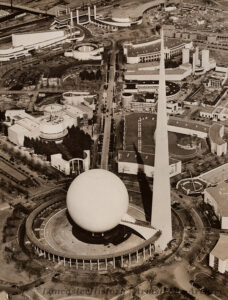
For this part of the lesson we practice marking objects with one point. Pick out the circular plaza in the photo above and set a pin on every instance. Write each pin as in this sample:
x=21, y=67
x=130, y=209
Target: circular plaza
x=54, y=236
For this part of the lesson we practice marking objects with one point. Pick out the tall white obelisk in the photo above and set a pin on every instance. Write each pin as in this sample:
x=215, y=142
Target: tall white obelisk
x=161, y=205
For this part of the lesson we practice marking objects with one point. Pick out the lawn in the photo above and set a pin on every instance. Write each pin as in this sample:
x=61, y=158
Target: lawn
x=148, y=125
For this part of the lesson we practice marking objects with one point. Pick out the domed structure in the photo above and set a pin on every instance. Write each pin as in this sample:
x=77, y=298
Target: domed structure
x=97, y=200
x=53, y=127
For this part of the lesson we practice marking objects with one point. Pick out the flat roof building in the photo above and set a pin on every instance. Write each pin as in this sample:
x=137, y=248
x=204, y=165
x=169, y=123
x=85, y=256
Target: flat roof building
x=217, y=198
x=131, y=163
x=218, y=258
x=218, y=144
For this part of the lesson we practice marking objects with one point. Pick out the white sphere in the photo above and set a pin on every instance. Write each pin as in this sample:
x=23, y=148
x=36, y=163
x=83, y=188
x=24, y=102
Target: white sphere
x=97, y=200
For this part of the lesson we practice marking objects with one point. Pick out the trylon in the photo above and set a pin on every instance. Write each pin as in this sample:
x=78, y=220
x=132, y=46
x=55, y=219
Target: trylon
x=161, y=206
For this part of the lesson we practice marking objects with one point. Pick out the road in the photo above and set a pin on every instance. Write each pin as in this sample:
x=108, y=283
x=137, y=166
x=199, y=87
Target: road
x=108, y=117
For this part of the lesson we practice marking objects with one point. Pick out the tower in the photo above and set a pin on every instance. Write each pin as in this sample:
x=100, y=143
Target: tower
x=185, y=55
x=197, y=57
x=161, y=205
x=205, y=60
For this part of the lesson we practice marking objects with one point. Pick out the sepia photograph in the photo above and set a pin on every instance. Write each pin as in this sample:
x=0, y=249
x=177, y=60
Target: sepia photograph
x=113, y=149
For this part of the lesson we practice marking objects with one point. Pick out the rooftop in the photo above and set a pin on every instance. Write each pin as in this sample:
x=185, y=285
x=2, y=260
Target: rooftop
x=177, y=71
x=140, y=158
x=188, y=124
x=221, y=248
x=153, y=46
x=219, y=193
x=19, y=129
x=142, y=66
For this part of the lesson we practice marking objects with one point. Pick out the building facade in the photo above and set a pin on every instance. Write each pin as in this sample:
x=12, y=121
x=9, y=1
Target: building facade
x=218, y=258
x=217, y=198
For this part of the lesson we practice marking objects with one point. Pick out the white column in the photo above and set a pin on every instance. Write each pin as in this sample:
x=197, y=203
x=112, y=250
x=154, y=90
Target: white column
x=71, y=19
x=95, y=12
x=129, y=259
x=122, y=261
x=222, y=266
x=89, y=14
x=77, y=14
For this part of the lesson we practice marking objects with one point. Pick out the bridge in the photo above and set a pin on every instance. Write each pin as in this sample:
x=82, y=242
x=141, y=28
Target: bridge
x=9, y=4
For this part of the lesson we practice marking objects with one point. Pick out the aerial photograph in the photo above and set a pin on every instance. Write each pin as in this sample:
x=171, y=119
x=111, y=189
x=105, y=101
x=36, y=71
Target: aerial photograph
x=113, y=149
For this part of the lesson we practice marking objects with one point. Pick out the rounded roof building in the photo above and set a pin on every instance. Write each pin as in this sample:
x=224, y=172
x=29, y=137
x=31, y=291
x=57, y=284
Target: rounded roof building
x=97, y=200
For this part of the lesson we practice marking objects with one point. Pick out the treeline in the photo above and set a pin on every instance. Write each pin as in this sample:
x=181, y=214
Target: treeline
x=2, y=116
x=92, y=75
x=34, y=165
x=172, y=63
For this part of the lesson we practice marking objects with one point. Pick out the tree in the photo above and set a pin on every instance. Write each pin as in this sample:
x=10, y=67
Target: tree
x=98, y=75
